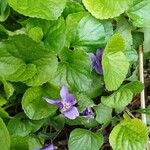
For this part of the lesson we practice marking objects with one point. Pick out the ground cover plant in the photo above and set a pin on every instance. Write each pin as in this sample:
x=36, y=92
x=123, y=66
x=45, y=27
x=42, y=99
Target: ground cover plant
x=69, y=74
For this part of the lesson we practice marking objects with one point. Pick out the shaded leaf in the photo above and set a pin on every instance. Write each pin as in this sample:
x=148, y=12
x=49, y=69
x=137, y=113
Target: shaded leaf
x=3, y=113
x=74, y=70
x=55, y=37
x=24, y=143
x=8, y=88
x=4, y=10
x=83, y=139
x=4, y=136
x=96, y=87
x=84, y=101
x=103, y=113
x=20, y=125
x=124, y=28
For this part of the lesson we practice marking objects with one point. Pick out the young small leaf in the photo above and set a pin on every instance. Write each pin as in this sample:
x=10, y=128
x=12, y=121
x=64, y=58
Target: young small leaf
x=123, y=96
x=135, y=87
x=114, y=62
x=118, y=99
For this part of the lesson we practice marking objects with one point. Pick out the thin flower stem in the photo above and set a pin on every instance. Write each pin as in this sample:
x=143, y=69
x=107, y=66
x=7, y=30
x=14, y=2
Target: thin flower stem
x=141, y=73
x=128, y=112
x=103, y=127
x=8, y=106
x=56, y=135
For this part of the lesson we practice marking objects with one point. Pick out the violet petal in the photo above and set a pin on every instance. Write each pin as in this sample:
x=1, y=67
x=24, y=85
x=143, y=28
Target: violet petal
x=99, y=54
x=64, y=92
x=96, y=61
x=70, y=99
x=54, y=102
x=71, y=113
x=49, y=147
x=88, y=112
x=66, y=96
x=96, y=64
x=92, y=57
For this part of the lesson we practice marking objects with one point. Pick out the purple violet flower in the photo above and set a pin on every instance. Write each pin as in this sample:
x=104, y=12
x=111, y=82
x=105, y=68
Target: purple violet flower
x=87, y=112
x=66, y=104
x=97, y=61
x=48, y=147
